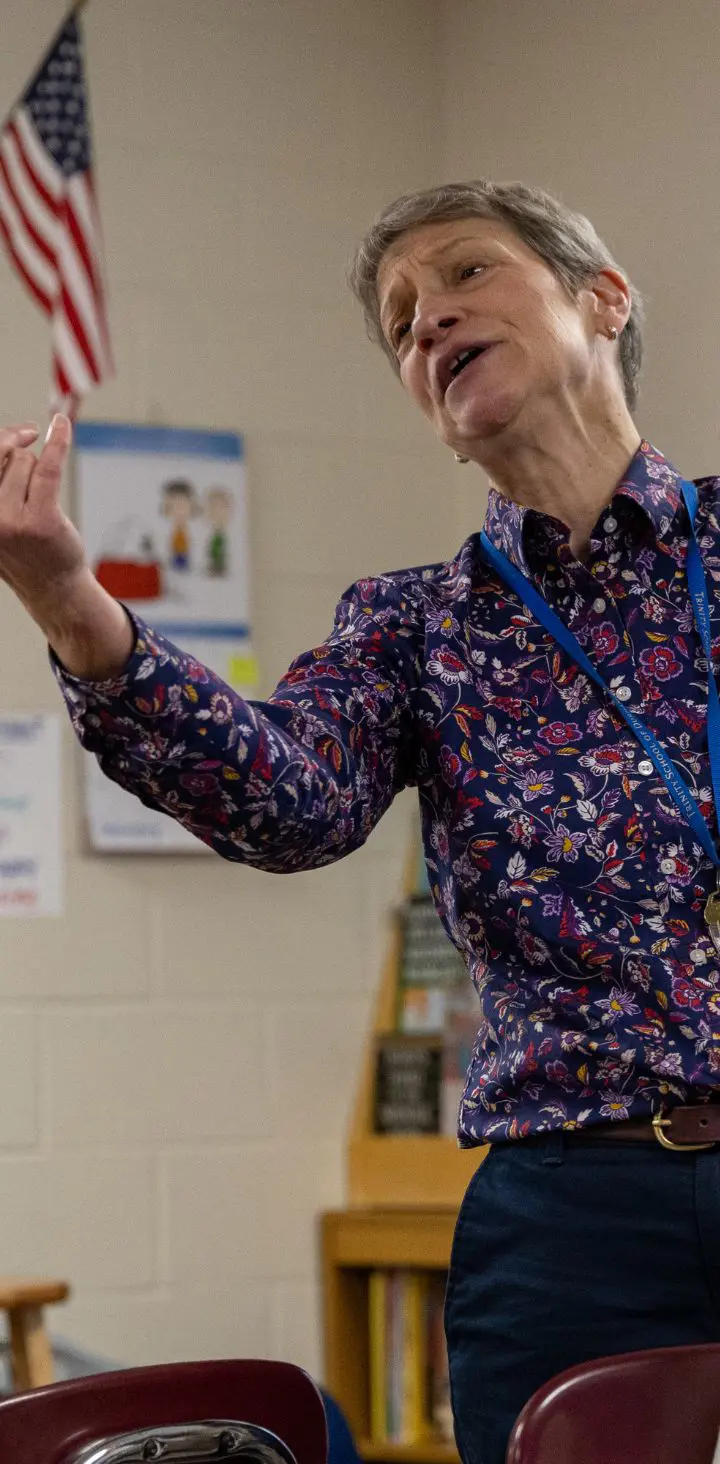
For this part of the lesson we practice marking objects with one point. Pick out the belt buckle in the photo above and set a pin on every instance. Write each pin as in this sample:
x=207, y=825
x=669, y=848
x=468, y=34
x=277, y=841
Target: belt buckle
x=659, y=1123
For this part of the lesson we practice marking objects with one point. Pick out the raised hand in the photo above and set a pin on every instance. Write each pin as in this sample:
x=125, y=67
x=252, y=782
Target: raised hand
x=42, y=557
x=41, y=552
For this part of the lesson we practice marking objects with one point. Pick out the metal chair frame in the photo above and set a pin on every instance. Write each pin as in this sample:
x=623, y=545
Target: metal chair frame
x=189, y=1443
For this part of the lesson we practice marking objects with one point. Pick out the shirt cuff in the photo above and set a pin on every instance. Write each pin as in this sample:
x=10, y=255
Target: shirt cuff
x=91, y=683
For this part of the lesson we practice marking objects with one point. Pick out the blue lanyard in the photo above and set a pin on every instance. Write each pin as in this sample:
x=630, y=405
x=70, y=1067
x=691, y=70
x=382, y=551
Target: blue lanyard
x=697, y=585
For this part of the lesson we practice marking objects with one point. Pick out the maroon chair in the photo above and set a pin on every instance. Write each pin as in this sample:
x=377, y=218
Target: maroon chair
x=658, y=1407
x=264, y=1412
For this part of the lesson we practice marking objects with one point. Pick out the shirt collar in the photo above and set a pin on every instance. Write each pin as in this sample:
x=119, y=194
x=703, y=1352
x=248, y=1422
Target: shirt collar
x=650, y=480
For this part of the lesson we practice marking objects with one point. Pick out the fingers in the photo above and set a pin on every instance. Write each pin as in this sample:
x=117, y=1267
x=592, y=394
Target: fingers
x=20, y=436
x=14, y=483
x=47, y=474
x=25, y=478
x=16, y=464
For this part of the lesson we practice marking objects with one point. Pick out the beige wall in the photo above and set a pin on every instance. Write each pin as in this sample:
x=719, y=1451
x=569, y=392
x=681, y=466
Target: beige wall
x=178, y=1054
x=614, y=107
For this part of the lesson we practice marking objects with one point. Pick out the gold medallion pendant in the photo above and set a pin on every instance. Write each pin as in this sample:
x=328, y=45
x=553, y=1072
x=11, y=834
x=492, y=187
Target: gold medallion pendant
x=712, y=918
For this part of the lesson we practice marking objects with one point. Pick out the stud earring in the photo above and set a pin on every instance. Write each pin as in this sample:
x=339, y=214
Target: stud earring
x=612, y=333
x=460, y=459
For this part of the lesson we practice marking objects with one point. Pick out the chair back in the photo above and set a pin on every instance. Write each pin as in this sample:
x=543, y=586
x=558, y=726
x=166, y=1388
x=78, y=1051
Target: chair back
x=265, y=1412
x=655, y=1407
x=218, y=1438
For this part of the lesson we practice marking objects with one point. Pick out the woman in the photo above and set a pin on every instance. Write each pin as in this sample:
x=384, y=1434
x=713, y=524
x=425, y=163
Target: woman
x=547, y=692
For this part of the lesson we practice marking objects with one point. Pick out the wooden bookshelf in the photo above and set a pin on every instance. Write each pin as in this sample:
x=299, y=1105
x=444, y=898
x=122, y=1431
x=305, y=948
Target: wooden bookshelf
x=353, y=1243
x=404, y=1193
x=383, y=1169
x=433, y=1452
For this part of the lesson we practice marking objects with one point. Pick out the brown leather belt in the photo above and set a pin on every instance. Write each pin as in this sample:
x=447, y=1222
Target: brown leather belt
x=694, y=1127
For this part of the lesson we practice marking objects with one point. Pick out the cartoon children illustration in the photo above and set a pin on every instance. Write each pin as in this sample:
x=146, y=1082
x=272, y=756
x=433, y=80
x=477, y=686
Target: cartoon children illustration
x=179, y=504
x=218, y=512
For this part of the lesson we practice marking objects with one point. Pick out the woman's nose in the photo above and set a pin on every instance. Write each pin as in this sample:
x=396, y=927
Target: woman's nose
x=430, y=325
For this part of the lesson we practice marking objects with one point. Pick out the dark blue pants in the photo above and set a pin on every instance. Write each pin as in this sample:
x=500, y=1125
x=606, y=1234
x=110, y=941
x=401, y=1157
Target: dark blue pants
x=566, y=1250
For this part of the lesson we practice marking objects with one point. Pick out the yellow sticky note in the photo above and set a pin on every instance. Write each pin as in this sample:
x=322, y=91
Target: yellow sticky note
x=242, y=671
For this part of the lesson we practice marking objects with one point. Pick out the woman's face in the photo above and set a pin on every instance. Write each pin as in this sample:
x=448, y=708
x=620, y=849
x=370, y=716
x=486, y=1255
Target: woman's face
x=474, y=285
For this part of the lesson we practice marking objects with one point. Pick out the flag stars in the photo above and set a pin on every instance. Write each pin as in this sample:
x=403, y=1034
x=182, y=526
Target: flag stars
x=56, y=101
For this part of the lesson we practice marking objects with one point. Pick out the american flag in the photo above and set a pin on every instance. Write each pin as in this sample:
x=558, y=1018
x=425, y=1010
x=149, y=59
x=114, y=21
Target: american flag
x=49, y=217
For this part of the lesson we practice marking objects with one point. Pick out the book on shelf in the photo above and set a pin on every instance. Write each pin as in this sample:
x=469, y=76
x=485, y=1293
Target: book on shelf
x=431, y=967
x=377, y=1293
x=408, y=1072
x=420, y=1076
x=409, y=1386
x=420, y=1066
x=413, y=1341
x=458, y=1040
x=438, y=1369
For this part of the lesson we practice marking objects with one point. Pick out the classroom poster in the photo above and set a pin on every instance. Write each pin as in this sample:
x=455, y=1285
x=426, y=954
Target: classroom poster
x=30, y=837
x=163, y=515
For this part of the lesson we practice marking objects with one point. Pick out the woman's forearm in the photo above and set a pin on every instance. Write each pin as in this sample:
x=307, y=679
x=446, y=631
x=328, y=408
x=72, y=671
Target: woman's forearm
x=89, y=631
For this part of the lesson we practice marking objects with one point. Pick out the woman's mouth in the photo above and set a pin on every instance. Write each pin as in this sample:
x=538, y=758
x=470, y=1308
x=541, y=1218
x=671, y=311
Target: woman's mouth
x=468, y=360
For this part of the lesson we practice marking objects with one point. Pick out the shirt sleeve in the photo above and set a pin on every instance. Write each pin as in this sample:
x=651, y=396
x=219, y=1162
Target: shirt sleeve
x=290, y=783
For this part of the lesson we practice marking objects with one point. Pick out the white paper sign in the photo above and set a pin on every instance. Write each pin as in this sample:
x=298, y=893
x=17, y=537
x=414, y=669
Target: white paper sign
x=162, y=513
x=30, y=814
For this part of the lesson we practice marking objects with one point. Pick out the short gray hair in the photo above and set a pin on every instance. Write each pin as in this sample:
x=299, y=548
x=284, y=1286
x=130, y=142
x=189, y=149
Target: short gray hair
x=566, y=241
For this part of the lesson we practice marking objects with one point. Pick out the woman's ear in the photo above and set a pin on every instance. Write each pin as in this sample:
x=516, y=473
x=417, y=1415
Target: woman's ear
x=613, y=301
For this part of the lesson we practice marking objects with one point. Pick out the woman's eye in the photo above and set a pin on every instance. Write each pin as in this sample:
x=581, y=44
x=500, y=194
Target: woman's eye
x=400, y=330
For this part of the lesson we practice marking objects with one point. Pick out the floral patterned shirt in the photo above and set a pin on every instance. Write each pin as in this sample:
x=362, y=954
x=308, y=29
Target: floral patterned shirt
x=559, y=863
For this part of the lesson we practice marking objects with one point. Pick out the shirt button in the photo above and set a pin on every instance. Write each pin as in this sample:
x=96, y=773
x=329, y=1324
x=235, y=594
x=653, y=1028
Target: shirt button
x=646, y=768
x=623, y=693
x=610, y=524
x=667, y=866
x=599, y=606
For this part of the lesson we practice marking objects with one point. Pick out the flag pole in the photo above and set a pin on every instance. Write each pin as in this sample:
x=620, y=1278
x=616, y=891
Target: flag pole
x=70, y=14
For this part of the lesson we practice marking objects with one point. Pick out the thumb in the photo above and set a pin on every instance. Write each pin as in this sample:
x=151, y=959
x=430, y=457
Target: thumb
x=49, y=467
